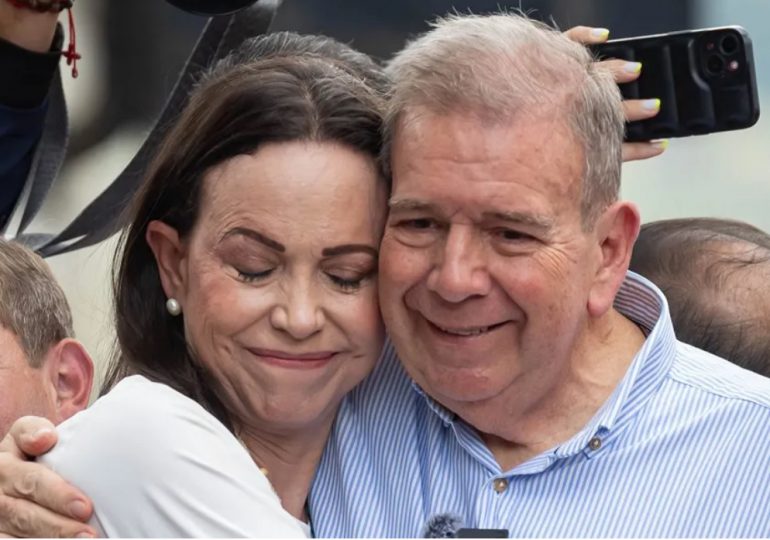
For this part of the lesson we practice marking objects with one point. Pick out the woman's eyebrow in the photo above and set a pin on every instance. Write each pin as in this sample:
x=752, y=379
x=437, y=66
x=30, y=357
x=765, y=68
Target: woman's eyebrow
x=349, y=248
x=256, y=236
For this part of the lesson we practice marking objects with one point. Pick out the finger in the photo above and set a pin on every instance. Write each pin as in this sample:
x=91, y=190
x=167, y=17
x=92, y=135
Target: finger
x=640, y=109
x=36, y=483
x=20, y=518
x=29, y=435
x=587, y=34
x=622, y=70
x=643, y=150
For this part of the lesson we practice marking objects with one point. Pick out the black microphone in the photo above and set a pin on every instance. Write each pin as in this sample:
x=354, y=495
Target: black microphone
x=442, y=526
x=451, y=526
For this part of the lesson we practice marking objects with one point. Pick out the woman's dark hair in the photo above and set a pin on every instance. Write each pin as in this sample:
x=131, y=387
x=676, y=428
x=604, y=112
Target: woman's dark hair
x=276, y=88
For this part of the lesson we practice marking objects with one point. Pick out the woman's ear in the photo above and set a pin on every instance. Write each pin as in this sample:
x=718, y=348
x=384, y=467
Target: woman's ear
x=170, y=256
x=615, y=231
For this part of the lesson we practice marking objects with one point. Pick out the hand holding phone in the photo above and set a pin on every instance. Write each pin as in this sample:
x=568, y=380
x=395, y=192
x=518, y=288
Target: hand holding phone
x=704, y=78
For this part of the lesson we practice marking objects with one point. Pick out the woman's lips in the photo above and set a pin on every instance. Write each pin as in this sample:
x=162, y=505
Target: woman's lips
x=295, y=360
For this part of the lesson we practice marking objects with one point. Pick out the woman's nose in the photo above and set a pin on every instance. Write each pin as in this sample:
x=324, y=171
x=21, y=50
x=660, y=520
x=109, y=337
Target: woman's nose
x=299, y=315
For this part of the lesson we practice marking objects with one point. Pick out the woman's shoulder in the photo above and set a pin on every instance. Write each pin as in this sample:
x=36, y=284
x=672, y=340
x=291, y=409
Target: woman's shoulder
x=137, y=393
x=139, y=414
x=156, y=463
x=137, y=405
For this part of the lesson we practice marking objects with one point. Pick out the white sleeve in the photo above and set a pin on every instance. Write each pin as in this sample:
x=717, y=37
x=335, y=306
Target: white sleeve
x=156, y=464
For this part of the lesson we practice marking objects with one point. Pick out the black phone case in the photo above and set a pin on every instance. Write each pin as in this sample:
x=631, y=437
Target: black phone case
x=704, y=78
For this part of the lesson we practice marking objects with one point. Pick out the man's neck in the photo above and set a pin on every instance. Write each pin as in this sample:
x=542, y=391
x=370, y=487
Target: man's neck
x=515, y=430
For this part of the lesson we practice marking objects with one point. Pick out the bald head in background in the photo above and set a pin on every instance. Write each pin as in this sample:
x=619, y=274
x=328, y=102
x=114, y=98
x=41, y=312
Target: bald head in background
x=715, y=274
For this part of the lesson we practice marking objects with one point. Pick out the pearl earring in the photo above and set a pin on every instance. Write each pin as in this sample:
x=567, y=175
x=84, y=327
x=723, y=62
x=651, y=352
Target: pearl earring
x=173, y=307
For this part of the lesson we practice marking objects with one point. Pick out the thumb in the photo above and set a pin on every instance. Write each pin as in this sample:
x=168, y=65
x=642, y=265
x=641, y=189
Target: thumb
x=30, y=436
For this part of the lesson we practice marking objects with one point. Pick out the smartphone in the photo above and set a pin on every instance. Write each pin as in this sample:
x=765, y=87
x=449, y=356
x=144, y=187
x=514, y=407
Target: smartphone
x=704, y=78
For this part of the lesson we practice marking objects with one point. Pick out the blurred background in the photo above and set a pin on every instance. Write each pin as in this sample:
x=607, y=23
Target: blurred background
x=132, y=52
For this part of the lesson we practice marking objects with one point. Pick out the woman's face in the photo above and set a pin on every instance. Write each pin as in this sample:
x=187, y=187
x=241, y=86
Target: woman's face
x=277, y=281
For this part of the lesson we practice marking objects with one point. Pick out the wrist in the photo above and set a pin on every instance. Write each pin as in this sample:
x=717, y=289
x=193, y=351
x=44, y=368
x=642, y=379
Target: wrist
x=41, y=6
x=26, y=28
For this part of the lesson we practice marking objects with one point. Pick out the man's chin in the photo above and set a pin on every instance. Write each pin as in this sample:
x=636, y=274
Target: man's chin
x=458, y=387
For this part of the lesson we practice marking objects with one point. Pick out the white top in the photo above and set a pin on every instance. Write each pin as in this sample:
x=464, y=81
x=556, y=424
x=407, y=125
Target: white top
x=156, y=464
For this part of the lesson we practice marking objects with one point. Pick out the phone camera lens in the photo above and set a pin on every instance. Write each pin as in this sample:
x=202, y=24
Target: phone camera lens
x=728, y=44
x=715, y=64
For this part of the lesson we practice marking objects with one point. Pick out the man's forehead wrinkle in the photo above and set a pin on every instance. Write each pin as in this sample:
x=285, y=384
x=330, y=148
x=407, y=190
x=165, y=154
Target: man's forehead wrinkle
x=525, y=218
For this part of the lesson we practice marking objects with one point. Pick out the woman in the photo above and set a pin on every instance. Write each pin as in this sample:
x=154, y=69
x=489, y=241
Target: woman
x=245, y=299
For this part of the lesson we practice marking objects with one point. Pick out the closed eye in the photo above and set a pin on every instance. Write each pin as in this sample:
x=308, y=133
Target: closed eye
x=347, y=285
x=250, y=277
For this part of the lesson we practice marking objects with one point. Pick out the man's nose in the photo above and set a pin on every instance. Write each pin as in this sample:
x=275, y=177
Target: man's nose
x=461, y=269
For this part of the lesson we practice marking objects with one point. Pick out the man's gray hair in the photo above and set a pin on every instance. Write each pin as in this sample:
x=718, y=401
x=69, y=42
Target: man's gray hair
x=503, y=65
x=32, y=304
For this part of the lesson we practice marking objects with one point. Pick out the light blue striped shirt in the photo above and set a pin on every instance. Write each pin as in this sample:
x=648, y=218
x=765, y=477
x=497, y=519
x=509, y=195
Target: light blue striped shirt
x=681, y=448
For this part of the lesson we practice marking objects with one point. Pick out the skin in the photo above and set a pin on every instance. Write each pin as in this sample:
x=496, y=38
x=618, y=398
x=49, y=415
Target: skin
x=57, y=389
x=61, y=510
x=23, y=389
x=277, y=283
x=27, y=28
x=484, y=258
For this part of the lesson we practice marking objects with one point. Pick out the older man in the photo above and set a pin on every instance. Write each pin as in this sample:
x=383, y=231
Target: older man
x=540, y=388
x=43, y=370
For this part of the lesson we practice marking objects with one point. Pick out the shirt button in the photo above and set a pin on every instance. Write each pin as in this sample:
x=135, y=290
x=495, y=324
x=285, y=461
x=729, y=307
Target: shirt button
x=500, y=485
x=595, y=443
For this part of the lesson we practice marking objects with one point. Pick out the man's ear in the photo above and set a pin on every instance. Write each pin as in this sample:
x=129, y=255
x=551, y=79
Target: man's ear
x=71, y=372
x=170, y=254
x=615, y=233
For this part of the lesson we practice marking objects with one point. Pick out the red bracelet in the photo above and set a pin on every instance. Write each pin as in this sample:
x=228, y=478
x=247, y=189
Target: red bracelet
x=71, y=54
x=56, y=6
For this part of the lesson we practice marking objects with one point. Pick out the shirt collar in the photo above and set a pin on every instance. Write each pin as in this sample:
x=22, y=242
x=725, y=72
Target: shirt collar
x=640, y=301
x=446, y=416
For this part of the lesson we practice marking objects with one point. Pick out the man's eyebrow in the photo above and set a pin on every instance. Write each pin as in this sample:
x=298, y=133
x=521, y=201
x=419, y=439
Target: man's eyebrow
x=256, y=236
x=521, y=218
x=406, y=205
x=349, y=248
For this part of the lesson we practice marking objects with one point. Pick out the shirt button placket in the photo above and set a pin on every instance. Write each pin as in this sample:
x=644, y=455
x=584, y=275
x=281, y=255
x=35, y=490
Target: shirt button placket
x=595, y=444
x=500, y=485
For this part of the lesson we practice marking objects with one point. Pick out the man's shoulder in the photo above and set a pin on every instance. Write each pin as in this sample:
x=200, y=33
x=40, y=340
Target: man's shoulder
x=720, y=379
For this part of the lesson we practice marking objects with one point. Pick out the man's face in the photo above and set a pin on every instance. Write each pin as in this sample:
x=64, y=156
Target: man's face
x=24, y=390
x=484, y=268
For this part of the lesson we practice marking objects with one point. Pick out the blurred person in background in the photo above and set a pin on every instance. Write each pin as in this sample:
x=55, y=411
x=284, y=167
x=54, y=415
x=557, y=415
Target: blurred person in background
x=715, y=274
x=30, y=49
x=44, y=371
